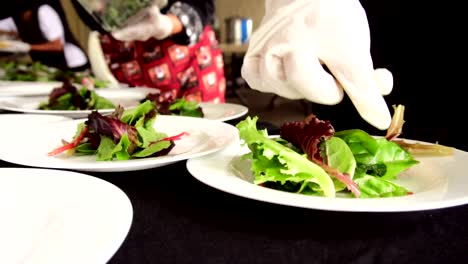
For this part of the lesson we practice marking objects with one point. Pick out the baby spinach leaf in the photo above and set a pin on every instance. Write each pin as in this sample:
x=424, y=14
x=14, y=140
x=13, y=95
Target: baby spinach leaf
x=372, y=187
x=377, y=156
x=105, y=151
x=341, y=158
x=153, y=149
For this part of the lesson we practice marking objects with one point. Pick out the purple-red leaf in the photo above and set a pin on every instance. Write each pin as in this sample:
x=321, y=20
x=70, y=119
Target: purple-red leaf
x=111, y=127
x=163, y=100
x=307, y=135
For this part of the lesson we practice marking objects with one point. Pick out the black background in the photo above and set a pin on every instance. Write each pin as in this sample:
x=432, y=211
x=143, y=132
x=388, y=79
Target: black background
x=423, y=44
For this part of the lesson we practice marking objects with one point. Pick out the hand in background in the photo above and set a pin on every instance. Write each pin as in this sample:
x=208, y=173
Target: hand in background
x=146, y=24
x=14, y=46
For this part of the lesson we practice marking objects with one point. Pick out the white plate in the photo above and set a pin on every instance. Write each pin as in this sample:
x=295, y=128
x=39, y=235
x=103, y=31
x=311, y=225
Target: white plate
x=18, y=88
x=24, y=120
x=125, y=97
x=30, y=149
x=25, y=88
x=223, y=111
x=437, y=182
x=54, y=216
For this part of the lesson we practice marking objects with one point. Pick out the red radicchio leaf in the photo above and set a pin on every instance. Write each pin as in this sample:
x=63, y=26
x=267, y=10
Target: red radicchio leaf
x=163, y=100
x=307, y=135
x=111, y=127
x=68, y=87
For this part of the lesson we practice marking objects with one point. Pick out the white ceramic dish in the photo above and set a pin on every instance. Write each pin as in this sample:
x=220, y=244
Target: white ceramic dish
x=25, y=120
x=25, y=88
x=18, y=88
x=125, y=97
x=437, y=182
x=30, y=148
x=224, y=111
x=54, y=216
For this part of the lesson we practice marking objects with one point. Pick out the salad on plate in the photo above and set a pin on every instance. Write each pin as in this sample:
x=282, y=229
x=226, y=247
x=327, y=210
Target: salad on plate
x=168, y=104
x=69, y=97
x=309, y=157
x=124, y=135
x=38, y=72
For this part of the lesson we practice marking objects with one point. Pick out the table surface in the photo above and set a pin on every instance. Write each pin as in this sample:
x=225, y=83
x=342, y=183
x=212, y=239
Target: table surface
x=178, y=219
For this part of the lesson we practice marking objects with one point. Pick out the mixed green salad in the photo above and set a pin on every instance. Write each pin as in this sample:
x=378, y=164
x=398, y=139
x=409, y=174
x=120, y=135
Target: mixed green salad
x=309, y=157
x=69, y=97
x=124, y=135
x=38, y=72
x=167, y=104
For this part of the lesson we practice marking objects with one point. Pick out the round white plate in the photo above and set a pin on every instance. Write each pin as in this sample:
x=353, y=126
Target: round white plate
x=19, y=88
x=437, y=182
x=30, y=147
x=125, y=97
x=124, y=94
x=25, y=120
x=54, y=216
x=223, y=111
x=25, y=88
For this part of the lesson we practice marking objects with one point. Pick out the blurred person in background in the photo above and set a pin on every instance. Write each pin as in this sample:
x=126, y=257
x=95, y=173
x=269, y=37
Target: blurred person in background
x=173, y=49
x=42, y=32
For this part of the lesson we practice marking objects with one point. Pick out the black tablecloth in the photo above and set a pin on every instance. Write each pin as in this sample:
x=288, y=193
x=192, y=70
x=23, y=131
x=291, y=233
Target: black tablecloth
x=178, y=219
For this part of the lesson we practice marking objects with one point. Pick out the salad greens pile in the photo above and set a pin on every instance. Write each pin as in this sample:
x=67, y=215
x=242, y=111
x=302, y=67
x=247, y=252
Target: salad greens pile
x=311, y=158
x=38, y=72
x=167, y=104
x=126, y=134
x=68, y=97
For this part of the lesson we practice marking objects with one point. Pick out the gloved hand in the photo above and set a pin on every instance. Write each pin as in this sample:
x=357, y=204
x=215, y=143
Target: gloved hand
x=295, y=37
x=14, y=46
x=145, y=24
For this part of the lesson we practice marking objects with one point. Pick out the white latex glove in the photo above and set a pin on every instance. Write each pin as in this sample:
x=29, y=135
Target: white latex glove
x=145, y=24
x=14, y=46
x=293, y=40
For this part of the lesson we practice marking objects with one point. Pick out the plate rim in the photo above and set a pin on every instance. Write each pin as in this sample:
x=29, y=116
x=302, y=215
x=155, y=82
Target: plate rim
x=243, y=110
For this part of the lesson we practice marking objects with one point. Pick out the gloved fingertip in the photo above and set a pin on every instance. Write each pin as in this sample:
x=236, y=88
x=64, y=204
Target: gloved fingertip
x=378, y=114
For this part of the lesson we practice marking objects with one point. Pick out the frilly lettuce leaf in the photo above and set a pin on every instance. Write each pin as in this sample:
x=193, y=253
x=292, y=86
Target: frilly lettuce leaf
x=274, y=162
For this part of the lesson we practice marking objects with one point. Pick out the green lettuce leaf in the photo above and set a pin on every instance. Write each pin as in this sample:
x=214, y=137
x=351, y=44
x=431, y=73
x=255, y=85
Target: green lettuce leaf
x=132, y=116
x=99, y=102
x=376, y=156
x=374, y=187
x=276, y=163
x=340, y=157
